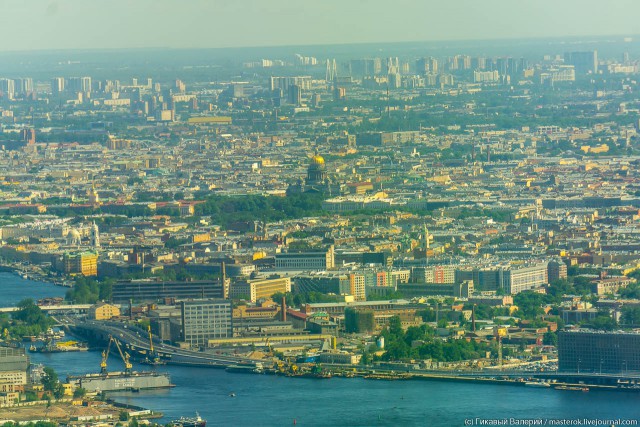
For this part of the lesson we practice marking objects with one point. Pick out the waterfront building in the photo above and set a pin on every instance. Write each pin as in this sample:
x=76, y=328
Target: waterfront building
x=206, y=319
x=85, y=263
x=598, y=351
x=13, y=369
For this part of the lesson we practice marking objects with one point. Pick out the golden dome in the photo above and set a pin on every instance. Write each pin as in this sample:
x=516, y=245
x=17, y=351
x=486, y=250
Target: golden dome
x=317, y=160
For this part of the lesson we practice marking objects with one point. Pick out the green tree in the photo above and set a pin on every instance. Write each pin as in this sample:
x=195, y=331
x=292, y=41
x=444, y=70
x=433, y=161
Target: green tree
x=51, y=383
x=550, y=338
x=79, y=392
x=603, y=322
x=630, y=316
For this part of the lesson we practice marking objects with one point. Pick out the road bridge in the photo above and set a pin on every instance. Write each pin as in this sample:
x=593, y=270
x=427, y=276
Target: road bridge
x=76, y=308
x=136, y=341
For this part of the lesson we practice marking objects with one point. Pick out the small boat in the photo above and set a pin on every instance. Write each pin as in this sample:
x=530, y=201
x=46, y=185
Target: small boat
x=254, y=368
x=232, y=394
x=536, y=384
x=572, y=388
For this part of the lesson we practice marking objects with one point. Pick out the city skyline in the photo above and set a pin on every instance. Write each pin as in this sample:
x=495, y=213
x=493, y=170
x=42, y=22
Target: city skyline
x=251, y=23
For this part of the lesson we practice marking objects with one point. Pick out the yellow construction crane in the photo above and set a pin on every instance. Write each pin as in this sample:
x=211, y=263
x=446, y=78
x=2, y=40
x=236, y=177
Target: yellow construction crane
x=105, y=356
x=152, y=357
x=150, y=339
x=125, y=356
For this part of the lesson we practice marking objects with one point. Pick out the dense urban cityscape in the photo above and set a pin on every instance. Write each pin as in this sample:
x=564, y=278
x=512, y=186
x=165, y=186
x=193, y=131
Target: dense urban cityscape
x=391, y=212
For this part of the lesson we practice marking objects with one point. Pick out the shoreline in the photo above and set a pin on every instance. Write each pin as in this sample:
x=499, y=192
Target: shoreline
x=447, y=377
x=35, y=276
x=68, y=410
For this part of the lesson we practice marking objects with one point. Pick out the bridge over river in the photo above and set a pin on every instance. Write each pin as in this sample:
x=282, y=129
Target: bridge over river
x=136, y=341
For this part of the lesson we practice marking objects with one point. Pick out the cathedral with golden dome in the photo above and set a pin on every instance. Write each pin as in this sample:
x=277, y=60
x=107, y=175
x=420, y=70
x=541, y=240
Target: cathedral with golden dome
x=317, y=171
x=317, y=180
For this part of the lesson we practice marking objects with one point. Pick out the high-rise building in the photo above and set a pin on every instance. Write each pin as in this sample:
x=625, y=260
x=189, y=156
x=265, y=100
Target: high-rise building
x=367, y=67
x=283, y=83
x=486, y=76
x=57, y=85
x=583, y=62
x=206, y=319
x=295, y=95
x=24, y=85
x=357, y=286
x=79, y=84
x=7, y=88
x=28, y=136
x=180, y=86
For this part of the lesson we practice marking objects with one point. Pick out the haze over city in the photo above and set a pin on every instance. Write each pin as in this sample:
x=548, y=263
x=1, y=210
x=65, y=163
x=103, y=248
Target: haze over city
x=82, y=24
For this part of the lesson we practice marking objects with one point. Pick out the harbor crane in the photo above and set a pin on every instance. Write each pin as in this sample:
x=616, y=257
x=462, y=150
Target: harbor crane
x=153, y=358
x=124, y=355
x=105, y=356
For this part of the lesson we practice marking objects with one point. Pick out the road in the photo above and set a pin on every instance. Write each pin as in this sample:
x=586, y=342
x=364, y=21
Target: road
x=137, y=343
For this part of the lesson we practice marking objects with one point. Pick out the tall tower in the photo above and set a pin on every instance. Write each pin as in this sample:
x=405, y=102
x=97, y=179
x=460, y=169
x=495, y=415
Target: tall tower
x=94, y=199
x=95, y=236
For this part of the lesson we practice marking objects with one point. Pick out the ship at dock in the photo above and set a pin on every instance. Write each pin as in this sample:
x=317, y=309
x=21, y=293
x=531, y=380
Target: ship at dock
x=196, y=421
x=59, y=347
x=111, y=381
x=118, y=381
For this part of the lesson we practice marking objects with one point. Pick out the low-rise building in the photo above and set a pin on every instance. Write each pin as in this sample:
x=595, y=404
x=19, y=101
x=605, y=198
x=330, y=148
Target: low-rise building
x=103, y=311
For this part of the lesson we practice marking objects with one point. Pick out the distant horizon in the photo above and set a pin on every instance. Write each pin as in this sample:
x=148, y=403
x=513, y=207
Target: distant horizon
x=578, y=38
x=43, y=25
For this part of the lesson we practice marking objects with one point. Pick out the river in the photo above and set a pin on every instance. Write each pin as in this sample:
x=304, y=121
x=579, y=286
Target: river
x=265, y=400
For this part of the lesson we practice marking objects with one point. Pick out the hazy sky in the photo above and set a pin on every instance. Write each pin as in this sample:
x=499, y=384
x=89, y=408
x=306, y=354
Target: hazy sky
x=71, y=24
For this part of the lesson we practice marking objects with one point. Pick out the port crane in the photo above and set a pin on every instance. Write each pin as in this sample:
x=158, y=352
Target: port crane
x=124, y=355
x=153, y=358
x=105, y=356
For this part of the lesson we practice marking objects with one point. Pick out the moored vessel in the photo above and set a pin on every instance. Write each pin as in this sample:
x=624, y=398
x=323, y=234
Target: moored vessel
x=196, y=421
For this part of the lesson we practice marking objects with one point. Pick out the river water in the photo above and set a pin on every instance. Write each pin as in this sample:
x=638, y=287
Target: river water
x=265, y=400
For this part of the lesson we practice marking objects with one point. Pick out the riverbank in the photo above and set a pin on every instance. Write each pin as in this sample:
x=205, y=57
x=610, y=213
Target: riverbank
x=385, y=375
x=34, y=273
x=69, y=411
